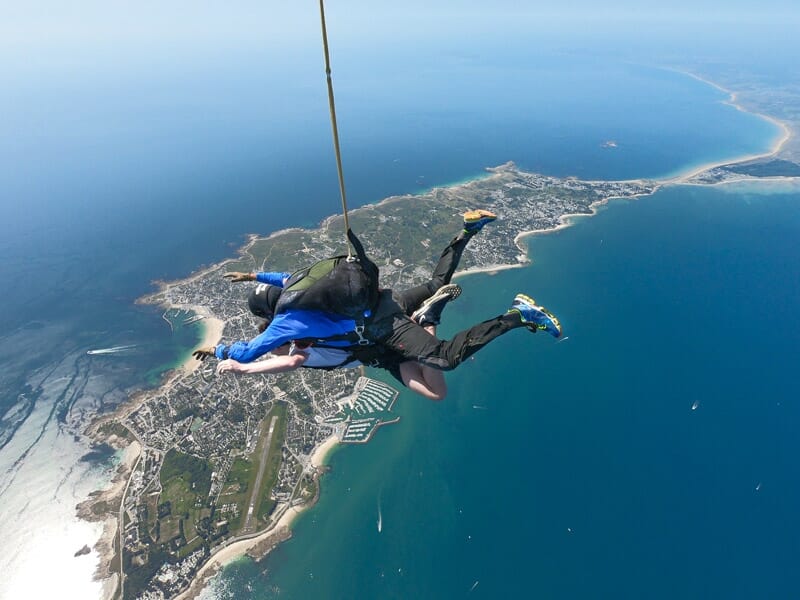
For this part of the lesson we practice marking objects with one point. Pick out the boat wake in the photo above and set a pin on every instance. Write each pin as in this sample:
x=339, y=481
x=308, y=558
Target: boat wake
x=112, y=350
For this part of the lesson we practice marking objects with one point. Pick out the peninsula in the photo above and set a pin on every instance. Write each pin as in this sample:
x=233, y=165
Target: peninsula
x=219, y=465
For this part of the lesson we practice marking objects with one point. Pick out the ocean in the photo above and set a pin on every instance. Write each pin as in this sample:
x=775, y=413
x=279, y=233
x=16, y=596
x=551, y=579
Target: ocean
x=132, y=175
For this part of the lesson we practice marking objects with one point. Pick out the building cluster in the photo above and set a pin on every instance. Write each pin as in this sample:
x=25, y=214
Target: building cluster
x=173, y=578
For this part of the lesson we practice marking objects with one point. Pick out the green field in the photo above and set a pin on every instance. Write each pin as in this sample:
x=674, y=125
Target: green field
x=267, y=504
x=185, y=482
x=235, y=490
x=242, y=475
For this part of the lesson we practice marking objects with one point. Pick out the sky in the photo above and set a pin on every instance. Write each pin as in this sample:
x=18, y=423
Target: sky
x=37, y=27
x=49, y=47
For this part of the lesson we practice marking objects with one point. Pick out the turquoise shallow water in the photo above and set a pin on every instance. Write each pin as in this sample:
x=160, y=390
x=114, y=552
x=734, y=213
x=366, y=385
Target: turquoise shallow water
x=585, y=472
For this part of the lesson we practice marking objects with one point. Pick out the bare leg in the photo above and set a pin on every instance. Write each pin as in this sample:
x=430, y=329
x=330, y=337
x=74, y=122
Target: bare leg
x=423, y=380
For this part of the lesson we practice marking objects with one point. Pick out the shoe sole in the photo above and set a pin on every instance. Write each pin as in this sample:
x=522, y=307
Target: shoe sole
x=478, y=217
x=535, y=326
x=451, y=290
x=473, y=216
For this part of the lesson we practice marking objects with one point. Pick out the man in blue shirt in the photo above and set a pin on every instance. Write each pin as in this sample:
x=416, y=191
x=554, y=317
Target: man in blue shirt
x=352, y=286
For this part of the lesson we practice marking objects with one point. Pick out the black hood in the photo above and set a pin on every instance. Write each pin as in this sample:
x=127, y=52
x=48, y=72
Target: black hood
x=262, y=300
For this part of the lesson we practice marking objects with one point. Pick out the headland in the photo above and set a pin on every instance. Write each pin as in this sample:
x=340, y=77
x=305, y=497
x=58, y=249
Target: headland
x=183, y=511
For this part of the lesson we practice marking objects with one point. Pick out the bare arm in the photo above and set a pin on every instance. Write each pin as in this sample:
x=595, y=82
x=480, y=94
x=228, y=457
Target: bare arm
x=276, y=364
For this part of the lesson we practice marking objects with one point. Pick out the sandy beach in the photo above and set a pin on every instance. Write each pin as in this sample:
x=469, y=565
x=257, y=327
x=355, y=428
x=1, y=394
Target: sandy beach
x=491, y=269
x=779, y=143
x=212, y=334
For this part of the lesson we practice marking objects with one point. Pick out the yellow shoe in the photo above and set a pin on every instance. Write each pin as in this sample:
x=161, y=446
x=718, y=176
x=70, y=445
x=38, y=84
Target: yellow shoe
x=474, y=220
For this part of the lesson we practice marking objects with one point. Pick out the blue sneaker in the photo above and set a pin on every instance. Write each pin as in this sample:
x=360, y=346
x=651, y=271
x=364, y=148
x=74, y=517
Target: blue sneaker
x=474, y=220
x=535, y=317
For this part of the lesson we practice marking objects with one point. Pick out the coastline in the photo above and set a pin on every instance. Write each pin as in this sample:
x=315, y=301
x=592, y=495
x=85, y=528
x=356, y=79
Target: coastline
x=732, y=100
x=163, y=286
x=260, y=545
x=695, y=171
x=214, y=328
x=682, y=178
x=781, y=179
x=112, y=495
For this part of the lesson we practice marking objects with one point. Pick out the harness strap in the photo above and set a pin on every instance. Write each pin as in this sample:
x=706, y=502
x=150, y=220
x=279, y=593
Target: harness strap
x=355, y=338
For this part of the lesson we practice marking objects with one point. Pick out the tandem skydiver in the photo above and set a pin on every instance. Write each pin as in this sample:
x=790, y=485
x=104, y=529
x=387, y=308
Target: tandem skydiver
x=294, y=304
x=397, y=339
x=425, y=381
x=423, y=304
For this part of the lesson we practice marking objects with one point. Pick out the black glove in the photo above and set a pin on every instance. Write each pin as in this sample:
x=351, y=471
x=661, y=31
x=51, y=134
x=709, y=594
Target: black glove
x=202, y=353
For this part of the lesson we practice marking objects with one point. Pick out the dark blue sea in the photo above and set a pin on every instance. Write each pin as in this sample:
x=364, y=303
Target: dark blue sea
x=585, y=473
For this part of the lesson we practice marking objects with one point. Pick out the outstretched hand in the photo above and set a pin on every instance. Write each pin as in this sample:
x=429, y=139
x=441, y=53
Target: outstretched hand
x=225, y=366
x=203, y=353
x=236, y=276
